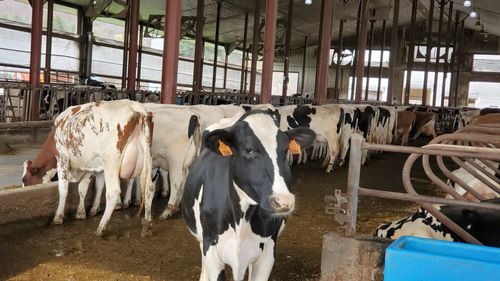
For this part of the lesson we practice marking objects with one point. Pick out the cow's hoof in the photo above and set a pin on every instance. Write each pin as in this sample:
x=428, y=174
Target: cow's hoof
x=164, y=194
x=100, y=232
x=136, y=203
x=126, y=205
x=81, y=216
x=57, y=220
x=147, y=228
x=167, y=213
x=118, y=206
x=93, y=212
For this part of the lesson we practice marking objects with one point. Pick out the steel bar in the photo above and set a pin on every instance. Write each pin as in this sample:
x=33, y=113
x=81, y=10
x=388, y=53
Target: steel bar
x=451, y=95
x=35, y=57
x=48, y=42
x=304, y=57
x=483, y=170
x=360, y=64
x=338, y=68
x=255, y=46
x=353, y=182
x=478, y=176
x=355, y=55
x=170, y=51
x=381, y=61
x=198, y=47
x=269, y=43
x=411, y=51
x=428, y=51
x=394, y=52
x=216, y=46
x=244, y=56
x=288, y=38
x=370, y=47
x=132, y=50
x=446, y=54
x=438, y=51
x=449, y=174
x=435, y=179
x=225, y=70
x=459, y=62
x=322, y=61
x=139, y=56
x=126, y=33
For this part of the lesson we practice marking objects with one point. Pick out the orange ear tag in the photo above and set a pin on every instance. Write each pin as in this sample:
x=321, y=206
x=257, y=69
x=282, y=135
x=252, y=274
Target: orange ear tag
x=224, y=149
x=294, y=147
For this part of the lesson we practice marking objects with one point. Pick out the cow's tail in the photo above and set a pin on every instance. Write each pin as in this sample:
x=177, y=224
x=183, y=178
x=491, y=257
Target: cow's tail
x=146, y=181
x=194, y=135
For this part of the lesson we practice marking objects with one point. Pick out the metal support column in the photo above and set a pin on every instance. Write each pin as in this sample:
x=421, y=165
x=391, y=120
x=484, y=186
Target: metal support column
x=243, y=57
x=411, y=51
x=446, y=53
x=428, y=51
x=35, y=57
x=459, y=61
x=269, y=40
x=451, y=96
x=325, y=37
x=360, y=62
x=255, y=46
x=438, y=52
x=125, y=50
x=368, y=68
x=48, y=42
x=225, y=70
x=216, y=43
x=132, y=50
x=380, y=67
x=338, y=68
x=393, y=57
x=355, y=56
x=304, y=57
x=286, y=64
x=198, y=47
x=170, y=62
x=139, y=58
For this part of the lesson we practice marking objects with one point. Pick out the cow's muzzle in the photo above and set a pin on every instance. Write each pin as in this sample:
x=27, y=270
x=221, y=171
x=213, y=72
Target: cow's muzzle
x=283, y=204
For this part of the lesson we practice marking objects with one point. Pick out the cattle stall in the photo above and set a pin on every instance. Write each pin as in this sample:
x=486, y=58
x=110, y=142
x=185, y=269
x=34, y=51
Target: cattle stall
x=467, y=149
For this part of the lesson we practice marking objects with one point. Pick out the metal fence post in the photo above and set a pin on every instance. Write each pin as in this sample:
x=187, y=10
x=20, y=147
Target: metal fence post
x=353, y=182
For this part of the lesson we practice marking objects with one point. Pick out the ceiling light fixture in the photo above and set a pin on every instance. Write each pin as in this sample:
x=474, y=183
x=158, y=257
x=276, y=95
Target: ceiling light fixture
x=308, y=2
x=473, y=14
x=467, y=3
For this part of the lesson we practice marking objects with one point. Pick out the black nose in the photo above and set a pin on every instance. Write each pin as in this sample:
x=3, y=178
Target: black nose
x=24, y=179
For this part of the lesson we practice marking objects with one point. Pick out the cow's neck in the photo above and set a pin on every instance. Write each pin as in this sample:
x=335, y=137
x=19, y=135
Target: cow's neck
x=46, y=157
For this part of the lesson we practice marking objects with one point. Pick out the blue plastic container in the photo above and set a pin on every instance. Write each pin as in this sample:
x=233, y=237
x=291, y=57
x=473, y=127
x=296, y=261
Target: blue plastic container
x=413, y=258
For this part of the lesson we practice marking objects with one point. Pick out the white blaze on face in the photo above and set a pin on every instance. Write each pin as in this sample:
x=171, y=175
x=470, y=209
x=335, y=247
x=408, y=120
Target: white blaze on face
x=25, y=170
x=259, y=123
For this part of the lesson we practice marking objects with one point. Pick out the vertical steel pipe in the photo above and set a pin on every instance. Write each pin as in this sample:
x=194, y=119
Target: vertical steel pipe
x=446, y=53
x=304, y=57
x=360, y=62
x=451, y=96
x=353, y=182
x=428, y=51
x=198, y=47
x=225, y=70
x=48, y=42
x=255, y=46
x=338, y=68
x=438, y=52
x=411, y=51
x=355, y=55
x=216, y=43
x=170, y=62
x=35, y=57
x=325, y=37
x=459, y=62
x=269, y=41
x=132, y=50
x=139, y=58
x=288, y=38
x=126, y=33
x=243, y=57
x=381, y=65
x=368, y=68
x=394, y=52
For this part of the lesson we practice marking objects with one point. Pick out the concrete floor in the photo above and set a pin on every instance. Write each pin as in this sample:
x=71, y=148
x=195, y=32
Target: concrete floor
x=11, y=166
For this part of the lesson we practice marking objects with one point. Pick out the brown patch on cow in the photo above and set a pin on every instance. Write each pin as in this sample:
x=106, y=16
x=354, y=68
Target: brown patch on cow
x=75, y=110
x=150, y=124
x=124, y=134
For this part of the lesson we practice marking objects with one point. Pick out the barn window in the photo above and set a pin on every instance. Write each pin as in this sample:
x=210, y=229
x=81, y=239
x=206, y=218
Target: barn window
x=109, y=28
x=486, y=63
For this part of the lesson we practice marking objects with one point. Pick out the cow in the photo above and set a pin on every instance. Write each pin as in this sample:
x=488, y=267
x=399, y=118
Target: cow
x=480, y=223
x=237, y=195
x=325, y=121
x=110, y=137
x=406, y=121
x=425, y=123
x=465, y=116
x=489, y=110
x=490, y=119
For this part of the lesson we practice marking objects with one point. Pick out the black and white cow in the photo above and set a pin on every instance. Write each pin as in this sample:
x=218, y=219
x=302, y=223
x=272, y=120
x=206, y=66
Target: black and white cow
x=237, y=195
x=482, y=224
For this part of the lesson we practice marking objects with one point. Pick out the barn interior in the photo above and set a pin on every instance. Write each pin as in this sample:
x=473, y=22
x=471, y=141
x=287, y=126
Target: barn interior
x=441, y=55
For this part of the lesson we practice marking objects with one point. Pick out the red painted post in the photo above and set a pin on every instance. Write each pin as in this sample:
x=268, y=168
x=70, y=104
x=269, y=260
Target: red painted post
x=360, y=63
x=243, y=57
x=170, y=63
x=269, y=40
x=325, y=35
x=35, y=56
x=132, y=49
x=255, y=46
x=198, y=47
x=48, y=43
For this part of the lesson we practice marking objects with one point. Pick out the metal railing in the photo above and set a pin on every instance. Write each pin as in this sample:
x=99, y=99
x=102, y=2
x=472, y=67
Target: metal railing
x=467, y=148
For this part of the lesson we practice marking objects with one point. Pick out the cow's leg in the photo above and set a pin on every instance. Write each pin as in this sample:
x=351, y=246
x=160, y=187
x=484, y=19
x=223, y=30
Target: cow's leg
x=99, y=186
x=128, y=193
x=164, y=179
x=83, y=187
x=62, y=174
x=261, y=268
x=138, y=194
x=212, y=268
x=112, y=197
x=177, y=178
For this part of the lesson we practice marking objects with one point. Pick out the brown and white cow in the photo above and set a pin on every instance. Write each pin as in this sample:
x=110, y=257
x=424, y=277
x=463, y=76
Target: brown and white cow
x=490, y=119
x=425, y=123
x=111, y=137
x=406, y=121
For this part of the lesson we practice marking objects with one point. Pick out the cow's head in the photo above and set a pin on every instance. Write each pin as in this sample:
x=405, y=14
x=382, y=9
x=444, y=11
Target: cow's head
x=258, y=164
x=35, y=175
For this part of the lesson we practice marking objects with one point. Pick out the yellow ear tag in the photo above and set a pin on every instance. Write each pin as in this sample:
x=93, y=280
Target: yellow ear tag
x=294, y=147
x=224, y=149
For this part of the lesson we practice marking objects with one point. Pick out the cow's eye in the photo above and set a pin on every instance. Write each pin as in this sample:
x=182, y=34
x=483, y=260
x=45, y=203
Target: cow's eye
x=248, y=150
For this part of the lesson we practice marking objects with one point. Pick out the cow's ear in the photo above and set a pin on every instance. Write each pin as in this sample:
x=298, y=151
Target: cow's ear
x=220, y=141
x=300, y=138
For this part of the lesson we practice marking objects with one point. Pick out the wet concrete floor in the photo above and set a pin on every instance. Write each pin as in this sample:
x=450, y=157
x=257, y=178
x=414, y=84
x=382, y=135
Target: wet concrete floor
x=73, y=252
